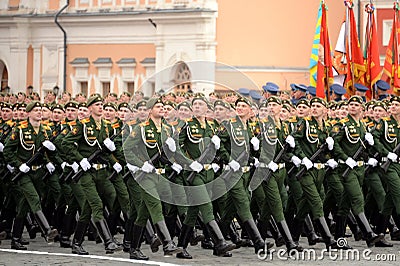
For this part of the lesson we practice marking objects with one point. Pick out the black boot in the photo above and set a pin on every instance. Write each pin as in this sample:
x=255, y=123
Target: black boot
x=312, y=237
x=381, y=226
x=340, y=230
x=170, y=221
x=17, y=230
x=371, y=237
x=154, y=240
x=255, y=236
x=112, y=222
x=297, y=229
x=351, y=221
x=66, y=231
x=183, y=241
x=135, y=253
x=395, y=232
x=78, y=238
x=126, y=243
x=169, y=246
x=49, y=233
x=220, y=246
x=273, y=227
x=31, y=226
x=229, y=232
x=287, y=236
x=325, y=233
x=196, y=237
x=105, y=235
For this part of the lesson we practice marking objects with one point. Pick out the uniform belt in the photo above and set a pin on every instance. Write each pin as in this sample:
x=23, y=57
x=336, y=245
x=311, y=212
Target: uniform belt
x=280, y=165
x=207, y=166
x=359, y=163
x=159, y=171
x=36, y=167
x=98, y=166
x=385, y=159
x=319, y=166
x=245, y=169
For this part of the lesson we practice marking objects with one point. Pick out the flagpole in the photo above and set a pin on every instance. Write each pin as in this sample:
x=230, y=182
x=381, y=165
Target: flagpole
x=396, y=42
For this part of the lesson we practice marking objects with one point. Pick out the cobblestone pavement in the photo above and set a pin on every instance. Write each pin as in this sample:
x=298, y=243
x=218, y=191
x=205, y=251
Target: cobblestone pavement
x=41, y=253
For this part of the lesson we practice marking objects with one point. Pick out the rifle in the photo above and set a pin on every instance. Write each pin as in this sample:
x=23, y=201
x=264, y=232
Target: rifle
x=5, y=134
x=37, y=155
x=356, y=155
x=225, y=175
x=192, y=174
x=321, y=149
x=385, y=165
x=368, y=167
x=94, y=156
x=156, y=156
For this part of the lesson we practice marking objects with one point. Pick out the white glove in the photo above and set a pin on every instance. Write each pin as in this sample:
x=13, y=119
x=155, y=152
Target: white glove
x=332, y=163
x=117, y=167
x=273, y=166
x=109, y=144
x=50, y=167
x=256, y=143
x=351, y=163
x=176, y=167
x=215, y=167
x=296, y=160
x=373, y=162
x=24, y=168
x=147, y=167
x=392, y=156
x=196, y=166
x=290, y=140
x=49, y=145
x=217, y=141
x=369, y=138
x=75, y=167
x=132, y=168
x=84, y=163
x=10, y=168
x=307, y=163
x=171, y=144
x=234, y=165
x=256, y=163
x=1, y=147
x=330, y=142
x=63, y=165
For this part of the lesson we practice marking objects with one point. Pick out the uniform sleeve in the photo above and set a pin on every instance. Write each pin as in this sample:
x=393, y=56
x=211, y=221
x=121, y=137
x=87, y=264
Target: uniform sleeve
x=11, y=149
x=298, y=136
x=339, y=134
x=132, y=145
x=378, y=145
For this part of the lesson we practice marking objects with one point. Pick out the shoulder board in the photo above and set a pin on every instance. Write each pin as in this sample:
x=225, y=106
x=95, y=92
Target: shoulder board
x=106, y=122
x=370, y=124
x=23, y=124
x=72, y=123
x=292, y=120
x=365, y=120
x=174, y=123
x=115, y=125
x=63, y=122
x=46, y=127
x=144, y=124
x=386, y=118
x=333, y=122
x=189, y=120
x=85, y=120
x=308, y=118
x=233, y=120
x=210, y=122
x=132, y=122
x=10, y=123
x=344, y=120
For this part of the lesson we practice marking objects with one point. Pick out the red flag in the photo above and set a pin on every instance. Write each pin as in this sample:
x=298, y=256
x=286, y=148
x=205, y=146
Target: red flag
x=391, y=66
x=324, y=72
x=372, y=52
x=355, y=59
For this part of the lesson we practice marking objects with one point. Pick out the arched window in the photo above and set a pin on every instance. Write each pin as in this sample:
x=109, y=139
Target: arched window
x=3, y=75
x=183, y=78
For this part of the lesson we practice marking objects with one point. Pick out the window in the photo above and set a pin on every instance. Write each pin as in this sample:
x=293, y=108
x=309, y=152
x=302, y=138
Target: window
x=130, y=87
x=182, y=78
x=106, y=88
x=84, y=88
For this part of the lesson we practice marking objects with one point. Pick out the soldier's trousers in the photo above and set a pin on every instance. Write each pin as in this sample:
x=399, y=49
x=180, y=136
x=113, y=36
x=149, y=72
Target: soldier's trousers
x=200, y=194
x=311, y=200
x=135, y=197
x=392, y=199
x=334, y=194
x=95, y=183
x=353, y=195
x=376, y=192
x=121, y=193
x=273, y=201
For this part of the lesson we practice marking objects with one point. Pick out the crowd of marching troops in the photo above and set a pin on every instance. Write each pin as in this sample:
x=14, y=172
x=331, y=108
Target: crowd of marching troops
x=183, y=169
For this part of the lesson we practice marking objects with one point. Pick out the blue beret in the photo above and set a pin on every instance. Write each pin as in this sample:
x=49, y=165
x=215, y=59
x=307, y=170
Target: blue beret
x=312, y=90
x=338, y=89
x=255, y=95
x=360, y=87
x=243, y=91
x=382, y=85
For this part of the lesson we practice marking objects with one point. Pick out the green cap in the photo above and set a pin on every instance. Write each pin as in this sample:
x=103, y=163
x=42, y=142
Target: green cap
x=113, y=106
x=72, y=104
x=94, y=99
x=31, y=105
x=153, y=101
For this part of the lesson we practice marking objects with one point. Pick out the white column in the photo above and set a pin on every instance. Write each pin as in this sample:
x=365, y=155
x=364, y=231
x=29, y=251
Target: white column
x=36, y=66
x=17, y=71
